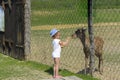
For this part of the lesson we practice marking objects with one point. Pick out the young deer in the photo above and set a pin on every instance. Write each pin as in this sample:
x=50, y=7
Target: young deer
x=80, y=33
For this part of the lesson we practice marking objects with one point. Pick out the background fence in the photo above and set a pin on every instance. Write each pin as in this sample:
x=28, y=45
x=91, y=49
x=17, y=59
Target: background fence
x=69, y=15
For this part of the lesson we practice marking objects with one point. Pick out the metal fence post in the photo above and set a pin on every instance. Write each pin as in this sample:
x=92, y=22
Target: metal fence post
x=91, y=36
x=27, y=28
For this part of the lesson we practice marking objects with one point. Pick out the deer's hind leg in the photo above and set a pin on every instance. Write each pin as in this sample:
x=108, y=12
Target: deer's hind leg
x=100, y=65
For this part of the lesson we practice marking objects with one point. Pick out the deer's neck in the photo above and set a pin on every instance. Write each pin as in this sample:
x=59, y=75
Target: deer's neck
x=83, y=40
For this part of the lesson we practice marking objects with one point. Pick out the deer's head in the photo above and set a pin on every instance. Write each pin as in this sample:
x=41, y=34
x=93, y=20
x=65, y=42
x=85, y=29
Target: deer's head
x=79, y=33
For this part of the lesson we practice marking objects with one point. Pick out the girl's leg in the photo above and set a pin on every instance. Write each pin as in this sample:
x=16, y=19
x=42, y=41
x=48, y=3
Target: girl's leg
x=56, y=66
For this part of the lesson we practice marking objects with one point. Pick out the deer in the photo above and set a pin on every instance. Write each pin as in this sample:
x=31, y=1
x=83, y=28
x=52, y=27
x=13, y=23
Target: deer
x=98, y=49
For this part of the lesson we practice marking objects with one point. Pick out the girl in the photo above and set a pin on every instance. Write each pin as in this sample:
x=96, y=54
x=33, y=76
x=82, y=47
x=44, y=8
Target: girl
x=57, y=44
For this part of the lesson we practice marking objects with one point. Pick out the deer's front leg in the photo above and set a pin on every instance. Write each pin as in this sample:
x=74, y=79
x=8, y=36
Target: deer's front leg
x=86, y=64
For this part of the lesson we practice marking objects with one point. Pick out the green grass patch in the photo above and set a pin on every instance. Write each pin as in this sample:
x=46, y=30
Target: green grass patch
x=58, y=12
x=84, y=77
x=52, y=12
x=106, y=15
x=58, y=4
x=14, y=68
x=106, y=4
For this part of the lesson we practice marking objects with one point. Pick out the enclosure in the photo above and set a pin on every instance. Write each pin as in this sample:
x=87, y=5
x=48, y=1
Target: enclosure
x=15, y=28
x=68, y=16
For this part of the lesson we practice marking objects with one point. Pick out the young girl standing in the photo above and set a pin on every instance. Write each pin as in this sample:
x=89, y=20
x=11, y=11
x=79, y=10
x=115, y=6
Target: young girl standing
x=57, y=44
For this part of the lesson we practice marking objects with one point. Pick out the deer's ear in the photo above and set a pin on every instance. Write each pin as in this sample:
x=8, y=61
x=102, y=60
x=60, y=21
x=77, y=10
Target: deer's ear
x=84, y=29
x=78, y=30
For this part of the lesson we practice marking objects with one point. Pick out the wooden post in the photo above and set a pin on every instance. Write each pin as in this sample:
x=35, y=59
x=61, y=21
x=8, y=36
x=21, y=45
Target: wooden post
x=27, y=38
x=91, y=37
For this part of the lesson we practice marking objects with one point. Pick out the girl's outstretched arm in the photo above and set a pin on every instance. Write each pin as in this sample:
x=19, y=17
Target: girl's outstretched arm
x=65, y=43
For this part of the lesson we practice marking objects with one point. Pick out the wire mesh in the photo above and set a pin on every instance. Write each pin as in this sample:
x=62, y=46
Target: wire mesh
x=106, y=25
x=67, y=16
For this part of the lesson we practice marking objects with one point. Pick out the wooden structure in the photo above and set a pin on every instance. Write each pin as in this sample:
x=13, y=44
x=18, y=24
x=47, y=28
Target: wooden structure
x=15, y=39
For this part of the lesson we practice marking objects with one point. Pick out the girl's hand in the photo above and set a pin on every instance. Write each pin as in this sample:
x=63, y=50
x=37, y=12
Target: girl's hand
x=68, y=38
x=65, y=43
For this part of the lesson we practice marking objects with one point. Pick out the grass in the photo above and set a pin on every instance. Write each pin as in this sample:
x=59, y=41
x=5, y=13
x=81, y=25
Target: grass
x=62, y=12
x=52, y=12
x=106, y=15
x=106, y=4
x=11, y=68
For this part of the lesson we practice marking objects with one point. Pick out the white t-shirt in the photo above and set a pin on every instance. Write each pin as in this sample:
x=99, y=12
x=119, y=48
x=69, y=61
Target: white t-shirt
x=56, y=48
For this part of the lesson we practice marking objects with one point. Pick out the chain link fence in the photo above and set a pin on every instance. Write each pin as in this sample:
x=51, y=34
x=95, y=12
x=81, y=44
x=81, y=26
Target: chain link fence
x=68, y=16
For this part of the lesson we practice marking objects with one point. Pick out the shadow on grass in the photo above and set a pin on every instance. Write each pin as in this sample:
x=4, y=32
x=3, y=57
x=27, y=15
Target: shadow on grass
x=50, y=71
x=83, y=71
x=87, y=71
x=64, y=72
